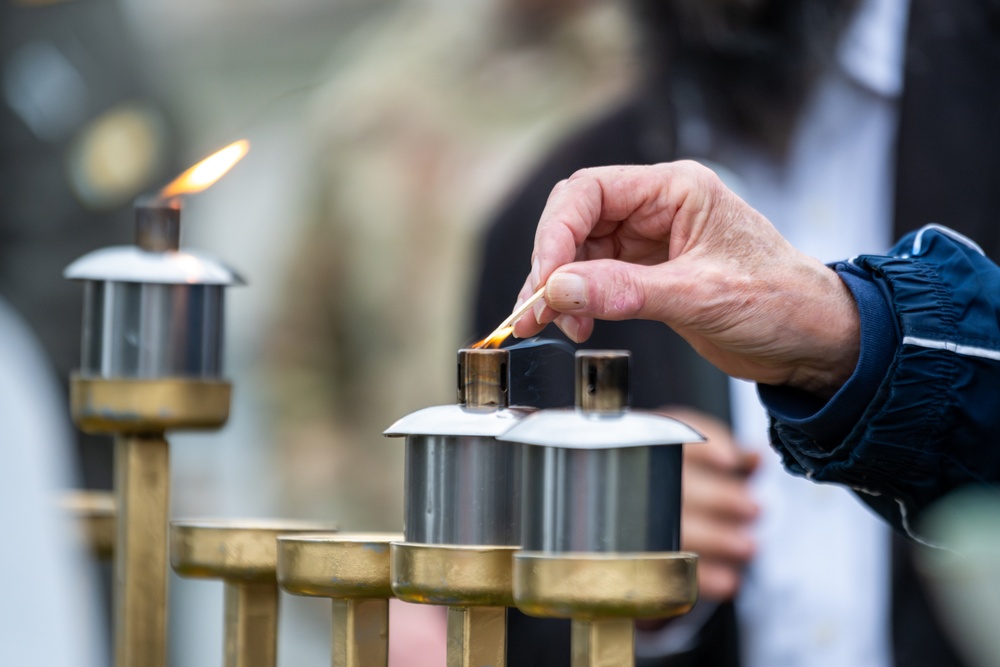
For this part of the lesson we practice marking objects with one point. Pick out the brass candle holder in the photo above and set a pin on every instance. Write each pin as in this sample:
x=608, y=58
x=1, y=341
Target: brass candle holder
x=353, y=571
x=244, y=555
x=462, y=509
x=152, y=349
x=601, y=519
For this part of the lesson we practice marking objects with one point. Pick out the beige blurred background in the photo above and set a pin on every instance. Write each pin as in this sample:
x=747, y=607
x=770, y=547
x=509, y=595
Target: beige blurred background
x=382, y=135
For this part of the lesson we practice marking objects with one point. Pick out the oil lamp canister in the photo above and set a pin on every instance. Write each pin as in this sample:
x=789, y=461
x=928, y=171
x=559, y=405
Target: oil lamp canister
x=151, y=362
x=601, y=514
x=152, y=310
x=462, y=506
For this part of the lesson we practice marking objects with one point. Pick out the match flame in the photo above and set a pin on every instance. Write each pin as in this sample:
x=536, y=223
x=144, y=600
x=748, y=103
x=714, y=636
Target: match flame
x=495, y=340
x=208, y=171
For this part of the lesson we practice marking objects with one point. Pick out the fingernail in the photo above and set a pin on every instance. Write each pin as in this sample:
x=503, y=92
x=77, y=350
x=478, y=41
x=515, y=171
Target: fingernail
x=566, y=291
x=538, y=309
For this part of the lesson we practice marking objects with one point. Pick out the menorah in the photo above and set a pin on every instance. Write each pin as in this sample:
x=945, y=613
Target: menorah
x=570, y=513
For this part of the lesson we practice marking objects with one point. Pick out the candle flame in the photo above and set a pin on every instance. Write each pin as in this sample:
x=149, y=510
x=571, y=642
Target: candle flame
x=495, y=340
x=208, y=171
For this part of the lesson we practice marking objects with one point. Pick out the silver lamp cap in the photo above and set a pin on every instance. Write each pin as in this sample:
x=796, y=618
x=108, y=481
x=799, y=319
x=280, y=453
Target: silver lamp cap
x=456, y=420
x=132, y=264
x=576, y=429
x=602, y=418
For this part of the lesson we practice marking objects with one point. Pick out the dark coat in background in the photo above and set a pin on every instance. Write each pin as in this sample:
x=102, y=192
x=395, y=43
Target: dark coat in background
x=947, y=171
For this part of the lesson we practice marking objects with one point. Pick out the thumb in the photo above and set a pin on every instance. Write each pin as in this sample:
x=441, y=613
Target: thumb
x=609, y=290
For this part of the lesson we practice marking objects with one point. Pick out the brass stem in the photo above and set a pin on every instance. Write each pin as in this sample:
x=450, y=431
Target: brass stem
x=477, y=636
x=251, y=625
x=360, y=633
x=142, y=494
x=604, y=643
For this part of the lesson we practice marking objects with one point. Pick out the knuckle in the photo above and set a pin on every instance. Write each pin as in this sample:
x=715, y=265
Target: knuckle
x=624, y=296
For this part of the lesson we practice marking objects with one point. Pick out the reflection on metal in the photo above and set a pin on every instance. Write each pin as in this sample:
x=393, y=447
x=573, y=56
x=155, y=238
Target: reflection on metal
x=601, y=500
x=352, y=570
x=244, y=554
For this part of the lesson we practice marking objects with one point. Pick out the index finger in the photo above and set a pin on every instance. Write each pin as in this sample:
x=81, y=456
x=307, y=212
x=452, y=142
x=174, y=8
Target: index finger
x=572, y=211
x=618, y=213
x=576, y=207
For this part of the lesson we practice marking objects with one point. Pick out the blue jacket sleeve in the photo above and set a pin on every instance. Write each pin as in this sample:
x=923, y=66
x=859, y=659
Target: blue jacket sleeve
x=920, y=417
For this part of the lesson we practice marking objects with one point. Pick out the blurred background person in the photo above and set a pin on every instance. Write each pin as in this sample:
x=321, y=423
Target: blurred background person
x=846, y=124
x=441, y=108
x=437, y=109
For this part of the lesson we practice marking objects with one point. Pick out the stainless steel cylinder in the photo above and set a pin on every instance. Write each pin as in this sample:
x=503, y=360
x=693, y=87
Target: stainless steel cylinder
x=461, y=485
x=151, y=330
x=601, y=478
x=150, y=310
x=601, y=500
x=461, y=490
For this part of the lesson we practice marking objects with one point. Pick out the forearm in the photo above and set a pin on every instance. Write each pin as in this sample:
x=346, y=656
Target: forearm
x=918, y=417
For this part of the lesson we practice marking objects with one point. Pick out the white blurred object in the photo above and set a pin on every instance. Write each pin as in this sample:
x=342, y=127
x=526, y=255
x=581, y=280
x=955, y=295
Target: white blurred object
x=965, y=572
x=48, y=610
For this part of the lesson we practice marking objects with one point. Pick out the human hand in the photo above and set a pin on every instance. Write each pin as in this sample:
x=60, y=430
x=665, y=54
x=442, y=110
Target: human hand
x=670, y=242
x=717, y=508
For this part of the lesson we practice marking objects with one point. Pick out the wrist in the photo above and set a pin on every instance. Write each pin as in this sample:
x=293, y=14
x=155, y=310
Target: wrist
x=827, y=421
x=835, y=332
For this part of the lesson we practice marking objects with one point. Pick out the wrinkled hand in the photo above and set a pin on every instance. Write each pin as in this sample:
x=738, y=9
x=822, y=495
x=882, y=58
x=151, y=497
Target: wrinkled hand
x=671, y=243
x=717, y=508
